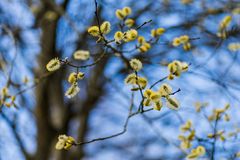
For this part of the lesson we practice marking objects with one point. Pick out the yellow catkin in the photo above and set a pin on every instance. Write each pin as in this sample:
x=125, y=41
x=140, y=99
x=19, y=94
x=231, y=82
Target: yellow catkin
x=136, y=64
x=53, y=65
x=72, y=78
x=172, y=103
x=129, y=22
x=72, y=90
x=130, y=35
x=165, y=90
x=127, y=11
x=141, y=39
x=160, y=31
x=120, y=14
x=64, y=142
x=176, y=42
x=105, y=27
x=118, y=37
x=81, y=55
x=94, y=31
x=143, y=49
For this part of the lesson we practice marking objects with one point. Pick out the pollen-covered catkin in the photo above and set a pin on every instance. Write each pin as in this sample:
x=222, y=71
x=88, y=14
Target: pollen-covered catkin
x=122, y=13
x=127, y=11
x=234, y=46
x=144, y=46
x=141, y=40
x=172, y=103
x=184, y=40
x=118, y=37
x=53, y=65
x=196, y=153
x=81, y=55
x=72, y=90
x=129, y=22
x=176, y=42
x=176, y=68
x=158, y=105
x=136, y=64
x=165, y=90
x=64, y=142
x=94, y=31
x=119, y=14
x=105, y=27
x=130, y=35
x=130, y=79
x=72, y=78
x=157, y=32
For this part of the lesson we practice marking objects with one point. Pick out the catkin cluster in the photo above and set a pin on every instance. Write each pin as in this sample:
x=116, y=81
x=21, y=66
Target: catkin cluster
x=74, y=77
x=176, y=68
x=184, y=40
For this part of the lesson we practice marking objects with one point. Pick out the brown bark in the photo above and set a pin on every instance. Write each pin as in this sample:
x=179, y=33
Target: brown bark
x=49, y=95
x=49, y=92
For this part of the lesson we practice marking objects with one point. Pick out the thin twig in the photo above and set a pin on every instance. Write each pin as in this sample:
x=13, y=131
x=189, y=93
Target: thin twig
x=87, y=65
x=139, y=27
x=160, y=80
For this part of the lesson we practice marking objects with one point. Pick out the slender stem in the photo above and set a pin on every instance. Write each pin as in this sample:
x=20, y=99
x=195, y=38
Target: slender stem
x=141, y=92
x=160, y=80
x=139, y=27
x=215, y=139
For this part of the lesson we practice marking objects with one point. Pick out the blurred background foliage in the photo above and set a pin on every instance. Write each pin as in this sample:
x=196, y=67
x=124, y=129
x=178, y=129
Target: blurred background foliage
x=34, y=31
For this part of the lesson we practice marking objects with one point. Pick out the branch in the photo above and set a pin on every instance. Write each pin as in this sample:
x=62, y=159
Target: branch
x=130, y=115
x=114, y=135
x=141, y=92
x=160, y=80
x=215, y=139
x=87, y=65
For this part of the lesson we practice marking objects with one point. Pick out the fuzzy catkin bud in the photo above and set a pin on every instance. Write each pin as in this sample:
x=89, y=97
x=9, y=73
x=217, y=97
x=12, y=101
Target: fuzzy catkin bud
x=129, y=22
x=136, y=64
x=118, y=37
x=72, y=90
x=141, y=39
x=64, y=142
x=94, y=31
x=142, y=82
x=234, y=46
x=143, y=49
x=130, y=79
x=105, y=27
x=165, y=90
x=160, y=31
x=158, y=105
x=172, y=103
x=147, y=93
x=53, y=65
x=176, y=42
x=120, y=14
x=81, y=55
x=147, y=102
x=155, y=96
x=72, y=78
x=130, y=35
x=127, y=11
x=147, y=45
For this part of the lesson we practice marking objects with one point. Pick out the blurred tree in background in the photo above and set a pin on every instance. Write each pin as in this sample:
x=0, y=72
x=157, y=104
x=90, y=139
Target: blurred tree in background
x=187, y=49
